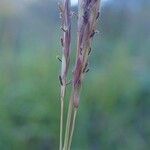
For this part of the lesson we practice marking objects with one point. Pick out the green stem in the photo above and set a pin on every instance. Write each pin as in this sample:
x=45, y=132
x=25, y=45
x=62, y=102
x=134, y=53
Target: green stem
x=62, y=117
x=72, y=127
x=70, y=109
x=61, y=124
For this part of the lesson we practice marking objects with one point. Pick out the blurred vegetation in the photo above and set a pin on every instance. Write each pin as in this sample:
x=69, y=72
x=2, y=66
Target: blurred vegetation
x=114, y=113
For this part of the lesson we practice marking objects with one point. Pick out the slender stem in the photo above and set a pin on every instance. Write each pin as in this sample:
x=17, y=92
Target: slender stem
x=72, y=127
x=68, y=124
x=61, y=124
x=62, y=117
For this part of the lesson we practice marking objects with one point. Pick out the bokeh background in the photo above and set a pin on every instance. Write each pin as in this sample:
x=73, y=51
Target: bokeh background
x=114, y=112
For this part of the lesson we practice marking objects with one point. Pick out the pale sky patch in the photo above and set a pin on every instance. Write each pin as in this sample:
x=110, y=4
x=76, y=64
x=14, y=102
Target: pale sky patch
x=75, y=2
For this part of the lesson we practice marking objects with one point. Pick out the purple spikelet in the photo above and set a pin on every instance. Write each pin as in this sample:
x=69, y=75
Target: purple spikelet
x=87, y=21
x=65, y=15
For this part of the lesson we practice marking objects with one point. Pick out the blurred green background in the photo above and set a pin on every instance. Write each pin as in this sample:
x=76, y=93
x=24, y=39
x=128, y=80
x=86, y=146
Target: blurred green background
x=114, y=112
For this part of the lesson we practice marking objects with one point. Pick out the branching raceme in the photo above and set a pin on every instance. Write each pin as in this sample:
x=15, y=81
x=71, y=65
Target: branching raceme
x=88, y=14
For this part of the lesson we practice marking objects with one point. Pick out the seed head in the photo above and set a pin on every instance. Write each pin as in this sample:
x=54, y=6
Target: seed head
x=87, y=22
x=65, y=14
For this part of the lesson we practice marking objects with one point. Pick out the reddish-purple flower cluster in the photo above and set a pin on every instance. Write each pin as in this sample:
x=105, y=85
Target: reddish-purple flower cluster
x=87, y=21
x=65, y=15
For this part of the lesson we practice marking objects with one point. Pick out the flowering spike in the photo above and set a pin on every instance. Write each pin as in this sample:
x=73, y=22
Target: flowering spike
x=65, y=41
x=87, y=22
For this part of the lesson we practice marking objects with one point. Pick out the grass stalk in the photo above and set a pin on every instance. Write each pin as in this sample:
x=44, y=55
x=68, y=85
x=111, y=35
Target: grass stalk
x=69, y=117
x=61, y=123
x=63, y=89
x=72, y=128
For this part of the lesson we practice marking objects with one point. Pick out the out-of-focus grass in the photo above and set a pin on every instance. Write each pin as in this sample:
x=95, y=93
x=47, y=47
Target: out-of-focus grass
x=29, y=100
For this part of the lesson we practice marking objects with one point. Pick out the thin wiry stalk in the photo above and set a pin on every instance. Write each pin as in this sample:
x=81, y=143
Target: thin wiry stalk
x=69, y=117
x=64, y=8
x=72, y=127
x=61, y=125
